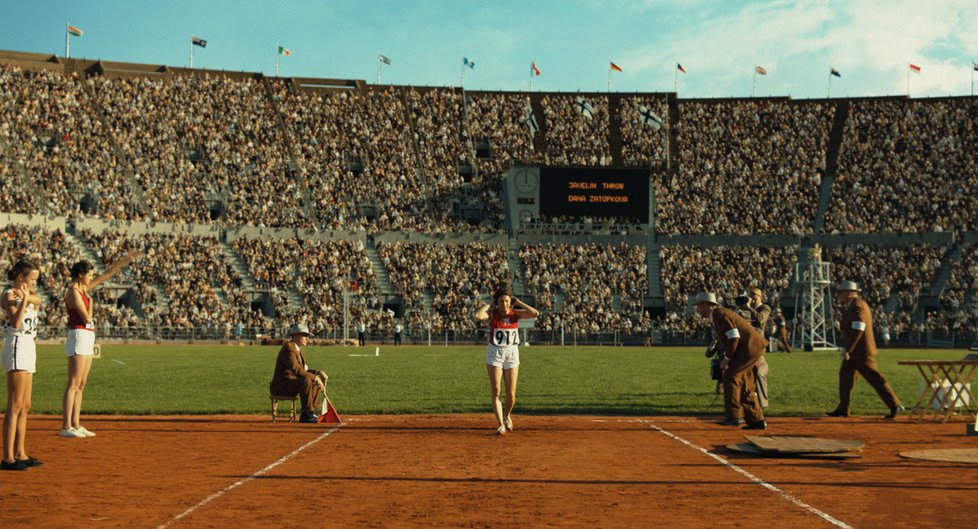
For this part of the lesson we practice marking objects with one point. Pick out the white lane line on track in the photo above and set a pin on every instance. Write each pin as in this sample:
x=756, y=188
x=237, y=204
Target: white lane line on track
x=237, y=484
x=755, y=479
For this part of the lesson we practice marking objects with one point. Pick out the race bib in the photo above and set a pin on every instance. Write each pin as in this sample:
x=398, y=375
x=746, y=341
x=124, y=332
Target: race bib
x=504, y=337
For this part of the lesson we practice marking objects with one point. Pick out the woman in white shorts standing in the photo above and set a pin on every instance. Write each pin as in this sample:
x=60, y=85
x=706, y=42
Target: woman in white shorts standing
x=20, y=303
x=80, y=344
x=503, y=355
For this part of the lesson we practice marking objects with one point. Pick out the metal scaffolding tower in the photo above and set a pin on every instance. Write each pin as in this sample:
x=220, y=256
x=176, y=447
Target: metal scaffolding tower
x=812, y=323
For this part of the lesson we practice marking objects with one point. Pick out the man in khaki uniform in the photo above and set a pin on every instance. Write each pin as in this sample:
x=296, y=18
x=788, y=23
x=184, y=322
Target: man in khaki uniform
x=743, y=348
x=859, y=352
x=781, y=331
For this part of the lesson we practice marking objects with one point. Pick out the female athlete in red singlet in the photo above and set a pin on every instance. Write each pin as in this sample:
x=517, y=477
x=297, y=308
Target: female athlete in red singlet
x=503, y=355
x=80, y=344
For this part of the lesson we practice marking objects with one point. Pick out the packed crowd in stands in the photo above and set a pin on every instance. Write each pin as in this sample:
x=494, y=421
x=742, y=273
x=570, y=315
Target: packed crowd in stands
x=458, y=279
x=745, y=167
x=958, y=310
x=207, y=148
x=577, y=130
x=641, y=144
x=723, y=270
x=907, y=166
x=321, y=274
x=52, y=253
x=587, y=288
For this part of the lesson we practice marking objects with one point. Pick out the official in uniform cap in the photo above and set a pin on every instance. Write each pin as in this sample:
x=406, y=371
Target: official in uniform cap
x=293, y=377
x=859, y=352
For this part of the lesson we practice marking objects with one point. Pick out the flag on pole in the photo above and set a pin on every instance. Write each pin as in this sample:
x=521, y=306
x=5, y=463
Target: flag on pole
x=534, y=69
x=284, y=51
x=384, y=59
x=760, y=70
x=974, y=66
x=615, y=67
x=72, y=30
x=649, y=118
x=467, y=62
x=680, y=67
x=835, y=72
x=197, y=41
x=914, y=68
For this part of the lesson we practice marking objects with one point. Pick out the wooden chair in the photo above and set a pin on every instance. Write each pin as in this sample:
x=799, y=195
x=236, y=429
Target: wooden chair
x=285, y=398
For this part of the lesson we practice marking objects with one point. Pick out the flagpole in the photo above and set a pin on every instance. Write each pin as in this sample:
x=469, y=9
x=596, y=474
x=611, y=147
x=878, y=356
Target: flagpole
x=609, y=76
x=908, y=81
x=675, y=79
x=829, y=94
x=462, y=71
x=278, y=54
x=378, y=69
x=753, y=89
x=66, y=41
x=191, y=51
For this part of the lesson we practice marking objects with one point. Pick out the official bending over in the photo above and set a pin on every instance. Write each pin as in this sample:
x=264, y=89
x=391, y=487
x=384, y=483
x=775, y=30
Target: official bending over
x=743, y=349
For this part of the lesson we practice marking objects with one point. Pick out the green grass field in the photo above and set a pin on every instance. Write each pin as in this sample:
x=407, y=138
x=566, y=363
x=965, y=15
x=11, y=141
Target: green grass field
x=208, y=379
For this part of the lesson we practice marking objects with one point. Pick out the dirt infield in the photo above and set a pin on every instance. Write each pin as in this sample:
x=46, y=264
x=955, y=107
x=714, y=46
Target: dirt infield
x=454, y=471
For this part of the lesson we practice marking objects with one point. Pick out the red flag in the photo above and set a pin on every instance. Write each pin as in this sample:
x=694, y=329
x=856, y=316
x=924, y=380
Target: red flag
x=534, y=69
x=615, y=67
x=680, y=67
x=914, y=68
x=760, y=70
x=330, y=417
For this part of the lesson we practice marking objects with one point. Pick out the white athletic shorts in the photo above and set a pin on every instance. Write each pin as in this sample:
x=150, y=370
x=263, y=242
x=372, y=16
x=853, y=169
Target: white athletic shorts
x=504, y=357
x=80, y=342
x=19, y=354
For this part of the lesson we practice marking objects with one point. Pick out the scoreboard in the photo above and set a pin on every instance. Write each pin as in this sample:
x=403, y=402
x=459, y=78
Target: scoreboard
x=577, y=192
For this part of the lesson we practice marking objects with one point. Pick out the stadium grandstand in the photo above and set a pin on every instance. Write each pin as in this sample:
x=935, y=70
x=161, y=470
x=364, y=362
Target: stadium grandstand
x=259, y=202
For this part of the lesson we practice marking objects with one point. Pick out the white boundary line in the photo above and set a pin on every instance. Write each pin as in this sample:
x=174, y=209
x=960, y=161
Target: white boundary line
x=237, y=484
x=755, y=479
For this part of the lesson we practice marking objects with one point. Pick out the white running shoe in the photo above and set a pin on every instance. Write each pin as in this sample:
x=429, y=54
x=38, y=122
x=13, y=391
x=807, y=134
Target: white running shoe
x=509, y=423
x=501, y=430
x=85, y=431
x=71, y=433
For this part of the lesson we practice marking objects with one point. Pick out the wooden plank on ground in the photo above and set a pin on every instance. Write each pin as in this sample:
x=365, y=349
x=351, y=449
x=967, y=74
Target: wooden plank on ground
x=753, y=450
x=791, y=444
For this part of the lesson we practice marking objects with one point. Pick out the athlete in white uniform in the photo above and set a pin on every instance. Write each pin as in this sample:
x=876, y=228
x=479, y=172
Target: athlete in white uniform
x=503, y=354
x=80, y=343
x=19, y=358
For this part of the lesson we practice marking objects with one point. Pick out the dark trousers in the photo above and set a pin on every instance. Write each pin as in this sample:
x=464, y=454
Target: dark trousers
x=849, y=374
x=397, y=338
x=739, y=397
x=783, y=341
x=306, y=388
x=361, y=337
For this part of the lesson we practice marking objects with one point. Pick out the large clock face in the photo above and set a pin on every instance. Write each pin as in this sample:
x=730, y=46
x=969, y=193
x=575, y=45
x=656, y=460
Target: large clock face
x=526, y=181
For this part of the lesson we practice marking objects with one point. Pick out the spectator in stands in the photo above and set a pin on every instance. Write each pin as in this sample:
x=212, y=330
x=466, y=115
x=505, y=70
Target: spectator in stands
x=292, y=375
x=80, y=344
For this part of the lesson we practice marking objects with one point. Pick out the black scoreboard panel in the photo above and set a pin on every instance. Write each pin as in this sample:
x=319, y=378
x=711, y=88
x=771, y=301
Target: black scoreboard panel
x=594, y=192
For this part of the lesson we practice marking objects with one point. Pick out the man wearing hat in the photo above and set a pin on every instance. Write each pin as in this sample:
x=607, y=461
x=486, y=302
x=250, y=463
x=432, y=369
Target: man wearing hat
x=859, y=352
x=743, y=349
x=293, y=377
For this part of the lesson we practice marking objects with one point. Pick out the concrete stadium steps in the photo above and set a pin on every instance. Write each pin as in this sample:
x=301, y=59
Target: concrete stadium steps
x=294, y=297
x=831, y=163
x=86, y=251
x=943, y=274
x=653, y=269
x=239, y=265
x=380, y=271
x=614, y=127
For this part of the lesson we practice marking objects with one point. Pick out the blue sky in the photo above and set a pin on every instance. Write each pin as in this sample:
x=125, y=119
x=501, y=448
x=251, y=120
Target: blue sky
x=572, y=41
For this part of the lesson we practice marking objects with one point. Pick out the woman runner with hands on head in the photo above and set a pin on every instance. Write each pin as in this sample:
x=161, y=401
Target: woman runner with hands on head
x=20, y=304
x=503, y=355
x=80, y=345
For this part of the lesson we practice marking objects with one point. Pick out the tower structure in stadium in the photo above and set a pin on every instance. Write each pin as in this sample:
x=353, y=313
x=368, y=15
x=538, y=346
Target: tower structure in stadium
x=813, y=278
